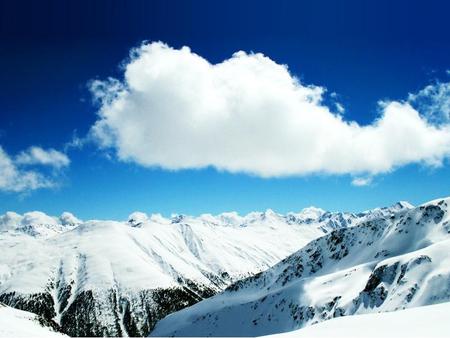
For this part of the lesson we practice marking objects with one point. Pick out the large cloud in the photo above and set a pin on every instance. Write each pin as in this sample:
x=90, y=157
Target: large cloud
x=15, y=175
x=176, y=110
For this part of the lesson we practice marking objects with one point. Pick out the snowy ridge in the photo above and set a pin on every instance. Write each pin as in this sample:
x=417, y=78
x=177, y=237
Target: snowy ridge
x=386, y=263
x=118, y=278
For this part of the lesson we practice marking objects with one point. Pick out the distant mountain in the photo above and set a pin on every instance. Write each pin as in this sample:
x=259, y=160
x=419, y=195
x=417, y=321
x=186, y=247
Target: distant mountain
x=385, y=263
x=17, y=323
x=119, y=278
x=37, y=223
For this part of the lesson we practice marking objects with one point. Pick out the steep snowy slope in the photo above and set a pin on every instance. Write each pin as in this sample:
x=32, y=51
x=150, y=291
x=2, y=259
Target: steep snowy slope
x=17, y=323
x=119, y=278
x=425, y=321
x=383, y=264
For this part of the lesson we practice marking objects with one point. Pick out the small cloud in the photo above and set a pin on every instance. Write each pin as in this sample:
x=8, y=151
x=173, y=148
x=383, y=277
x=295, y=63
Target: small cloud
x=16, y=177
x=37, y=155
x=362, y=181
x=340, y=108
x=76, y=142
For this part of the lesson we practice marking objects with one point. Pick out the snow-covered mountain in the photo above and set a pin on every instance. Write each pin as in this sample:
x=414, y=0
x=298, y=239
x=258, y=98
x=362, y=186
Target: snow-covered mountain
x=387, y=263
x=118, y=278
x=37, y=223
x=18, y=323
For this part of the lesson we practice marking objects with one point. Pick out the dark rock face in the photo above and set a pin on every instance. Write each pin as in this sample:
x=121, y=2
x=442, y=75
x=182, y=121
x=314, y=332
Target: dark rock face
x=383, y=273
x=433, y=212
x=375, y=292
x=108, y=312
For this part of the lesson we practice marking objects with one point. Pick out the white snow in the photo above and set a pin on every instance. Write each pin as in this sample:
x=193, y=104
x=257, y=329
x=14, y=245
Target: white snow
x=426, y=321
x=17, y=323
x=40, y=252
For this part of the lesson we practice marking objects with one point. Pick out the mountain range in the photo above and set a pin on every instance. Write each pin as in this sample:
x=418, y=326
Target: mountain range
x=386, y=263
x=264, y=272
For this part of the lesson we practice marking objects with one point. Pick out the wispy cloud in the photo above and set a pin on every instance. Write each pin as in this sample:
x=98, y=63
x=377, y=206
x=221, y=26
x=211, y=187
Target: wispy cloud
x=176, y=110
x=433, y=102
x=37, y=155
x=16, y=176
x=362, y=181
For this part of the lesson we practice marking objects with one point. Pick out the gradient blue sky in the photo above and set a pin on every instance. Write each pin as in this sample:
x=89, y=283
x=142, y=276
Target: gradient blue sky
x=363, y=50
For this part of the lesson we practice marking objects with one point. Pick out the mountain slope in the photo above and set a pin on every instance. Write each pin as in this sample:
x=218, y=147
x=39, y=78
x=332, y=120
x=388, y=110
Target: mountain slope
x=17, y=323
x=425, y=321
x=382, y=264
x=118, y=278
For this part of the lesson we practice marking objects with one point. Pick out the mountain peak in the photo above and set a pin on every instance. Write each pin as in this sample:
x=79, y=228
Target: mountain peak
x=403, y=205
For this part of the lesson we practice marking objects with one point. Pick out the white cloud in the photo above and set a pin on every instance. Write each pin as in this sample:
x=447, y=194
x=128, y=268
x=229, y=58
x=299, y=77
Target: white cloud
x=37, y=155
x=76, y=142
x=15, y=177
x=433, y=102
x=176, y=110
x=340, y=108
x=361, y=181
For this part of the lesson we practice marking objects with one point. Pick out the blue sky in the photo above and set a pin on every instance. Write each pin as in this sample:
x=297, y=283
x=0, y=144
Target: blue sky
x=363, y=51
